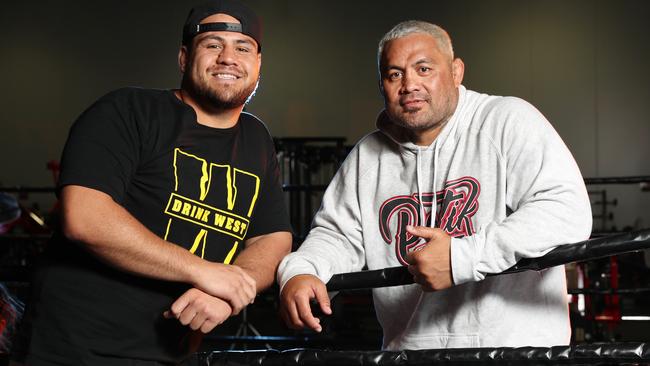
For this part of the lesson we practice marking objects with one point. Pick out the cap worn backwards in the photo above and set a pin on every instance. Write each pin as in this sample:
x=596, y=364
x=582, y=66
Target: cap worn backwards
x=250, y=23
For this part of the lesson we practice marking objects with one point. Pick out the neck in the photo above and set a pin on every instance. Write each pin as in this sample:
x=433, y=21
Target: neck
x=208, y=116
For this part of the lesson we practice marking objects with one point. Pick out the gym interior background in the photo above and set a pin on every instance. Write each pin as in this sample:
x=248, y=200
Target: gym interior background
x=583, y=63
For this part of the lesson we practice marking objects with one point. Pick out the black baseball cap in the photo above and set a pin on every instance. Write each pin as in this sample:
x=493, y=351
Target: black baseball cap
x=250, y=22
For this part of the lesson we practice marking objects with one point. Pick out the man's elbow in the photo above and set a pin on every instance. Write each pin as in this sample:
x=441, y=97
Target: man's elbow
x=78, y=213
x=285, y=243
x=586, y=220
x=580, y=224
x=585, y=232
x=73, y=227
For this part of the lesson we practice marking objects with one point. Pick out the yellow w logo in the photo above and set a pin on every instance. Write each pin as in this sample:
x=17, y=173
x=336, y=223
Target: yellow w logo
x=209, y=199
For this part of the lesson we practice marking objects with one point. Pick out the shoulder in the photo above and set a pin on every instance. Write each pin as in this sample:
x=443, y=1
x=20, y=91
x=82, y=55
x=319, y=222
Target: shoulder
x=253, y=126
x=486, y=106
x=125, y=101
x=367, y=152
x=513, y=126
x=499, y=115
x=374, y=142
x=509, y=106
x=366, y=145
x=255, y=132
x=132, y=94
x=251, y=121
x=133, y=109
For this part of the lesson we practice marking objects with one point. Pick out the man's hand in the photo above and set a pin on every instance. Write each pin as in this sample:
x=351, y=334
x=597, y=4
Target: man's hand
x=227, y=282
x=431, y=265
x=294, y=302
x=199, y=310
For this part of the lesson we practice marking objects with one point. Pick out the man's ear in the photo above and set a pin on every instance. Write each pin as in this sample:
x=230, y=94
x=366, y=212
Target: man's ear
x=182, y=58
x=458, y=71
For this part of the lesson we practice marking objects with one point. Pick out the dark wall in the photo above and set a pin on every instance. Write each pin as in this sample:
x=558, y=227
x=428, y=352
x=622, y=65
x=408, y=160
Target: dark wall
x=583, y=63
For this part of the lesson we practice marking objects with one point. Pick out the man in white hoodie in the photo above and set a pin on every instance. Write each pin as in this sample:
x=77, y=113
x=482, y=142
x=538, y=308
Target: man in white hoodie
x=455, y=185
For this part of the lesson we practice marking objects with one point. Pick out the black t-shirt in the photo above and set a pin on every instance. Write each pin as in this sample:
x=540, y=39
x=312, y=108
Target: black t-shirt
x=202, y=188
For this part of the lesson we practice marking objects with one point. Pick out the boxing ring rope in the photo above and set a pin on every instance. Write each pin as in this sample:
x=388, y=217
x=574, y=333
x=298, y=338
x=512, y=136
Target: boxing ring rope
x=618, y=180
x=609, y=291
x=578, y=252
x=631, y=353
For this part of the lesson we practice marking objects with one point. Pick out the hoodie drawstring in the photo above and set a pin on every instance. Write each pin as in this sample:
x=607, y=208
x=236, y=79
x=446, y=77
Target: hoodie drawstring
x=434, y=199
x=418, y=169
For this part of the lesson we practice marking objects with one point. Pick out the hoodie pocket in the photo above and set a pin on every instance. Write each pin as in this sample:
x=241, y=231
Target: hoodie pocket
x=444, y=340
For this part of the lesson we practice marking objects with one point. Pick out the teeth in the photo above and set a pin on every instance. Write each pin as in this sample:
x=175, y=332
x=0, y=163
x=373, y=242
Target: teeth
x=226, y=76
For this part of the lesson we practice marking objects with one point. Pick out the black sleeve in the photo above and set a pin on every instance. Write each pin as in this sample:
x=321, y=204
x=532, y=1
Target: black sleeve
x=102, y=149
x=271, y=213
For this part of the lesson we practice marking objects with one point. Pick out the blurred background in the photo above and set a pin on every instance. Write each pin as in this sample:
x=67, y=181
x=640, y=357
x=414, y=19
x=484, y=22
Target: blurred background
x=582, y=63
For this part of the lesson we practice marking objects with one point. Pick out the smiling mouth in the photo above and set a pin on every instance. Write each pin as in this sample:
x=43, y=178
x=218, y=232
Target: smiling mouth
x=225, y=76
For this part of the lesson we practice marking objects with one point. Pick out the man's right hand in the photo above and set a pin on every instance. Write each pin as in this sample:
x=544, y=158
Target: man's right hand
x=227, y=282
x=295, y=298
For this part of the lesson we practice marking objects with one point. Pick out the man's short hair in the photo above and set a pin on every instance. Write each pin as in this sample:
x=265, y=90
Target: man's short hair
x=409, y=27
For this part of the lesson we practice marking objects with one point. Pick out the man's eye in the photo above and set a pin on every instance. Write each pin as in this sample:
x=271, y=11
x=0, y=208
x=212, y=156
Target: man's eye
x=213, y=45
x=394, y=75
x=425, y=69
x=243, y=50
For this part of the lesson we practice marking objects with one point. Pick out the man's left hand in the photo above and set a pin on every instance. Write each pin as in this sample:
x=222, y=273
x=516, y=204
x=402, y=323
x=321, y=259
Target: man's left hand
x=199, y=311
x=431, y=265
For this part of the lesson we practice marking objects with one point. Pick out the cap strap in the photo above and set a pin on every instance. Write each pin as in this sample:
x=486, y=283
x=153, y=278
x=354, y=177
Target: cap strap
x=215, y=27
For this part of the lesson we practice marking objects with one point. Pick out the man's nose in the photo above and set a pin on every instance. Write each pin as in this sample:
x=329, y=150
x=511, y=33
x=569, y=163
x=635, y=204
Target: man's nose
x=409, y=83
x=227, y=55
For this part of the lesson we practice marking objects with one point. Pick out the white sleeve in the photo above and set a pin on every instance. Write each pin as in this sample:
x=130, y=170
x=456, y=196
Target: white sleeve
x=544, y=190
x=335, y=242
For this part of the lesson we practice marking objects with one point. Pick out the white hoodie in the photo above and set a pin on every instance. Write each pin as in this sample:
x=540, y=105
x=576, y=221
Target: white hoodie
x=506, y=188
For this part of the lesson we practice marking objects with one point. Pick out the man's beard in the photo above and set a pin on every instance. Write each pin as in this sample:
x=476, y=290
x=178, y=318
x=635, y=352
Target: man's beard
x=220, y=99
x=434, y=117
x=416, y=123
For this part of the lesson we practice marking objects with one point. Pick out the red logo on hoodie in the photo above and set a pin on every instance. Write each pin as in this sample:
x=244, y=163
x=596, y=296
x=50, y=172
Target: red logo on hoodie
x=457, y=202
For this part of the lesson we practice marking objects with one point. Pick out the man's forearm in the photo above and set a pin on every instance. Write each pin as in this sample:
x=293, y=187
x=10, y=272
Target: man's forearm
x=262, y=256
x=106, y=229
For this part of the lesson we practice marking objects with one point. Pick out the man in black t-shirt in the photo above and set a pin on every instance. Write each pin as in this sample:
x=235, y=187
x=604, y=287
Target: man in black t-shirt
x=173, y=215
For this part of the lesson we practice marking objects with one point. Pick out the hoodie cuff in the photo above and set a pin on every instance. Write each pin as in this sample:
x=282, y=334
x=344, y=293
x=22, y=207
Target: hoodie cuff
x=462, y=259
x=289, y=268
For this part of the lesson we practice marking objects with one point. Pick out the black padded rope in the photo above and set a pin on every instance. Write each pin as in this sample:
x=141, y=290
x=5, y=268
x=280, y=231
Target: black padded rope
x=578, y=252
x=632, y=353
x=618, y=180
x=608, y=291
